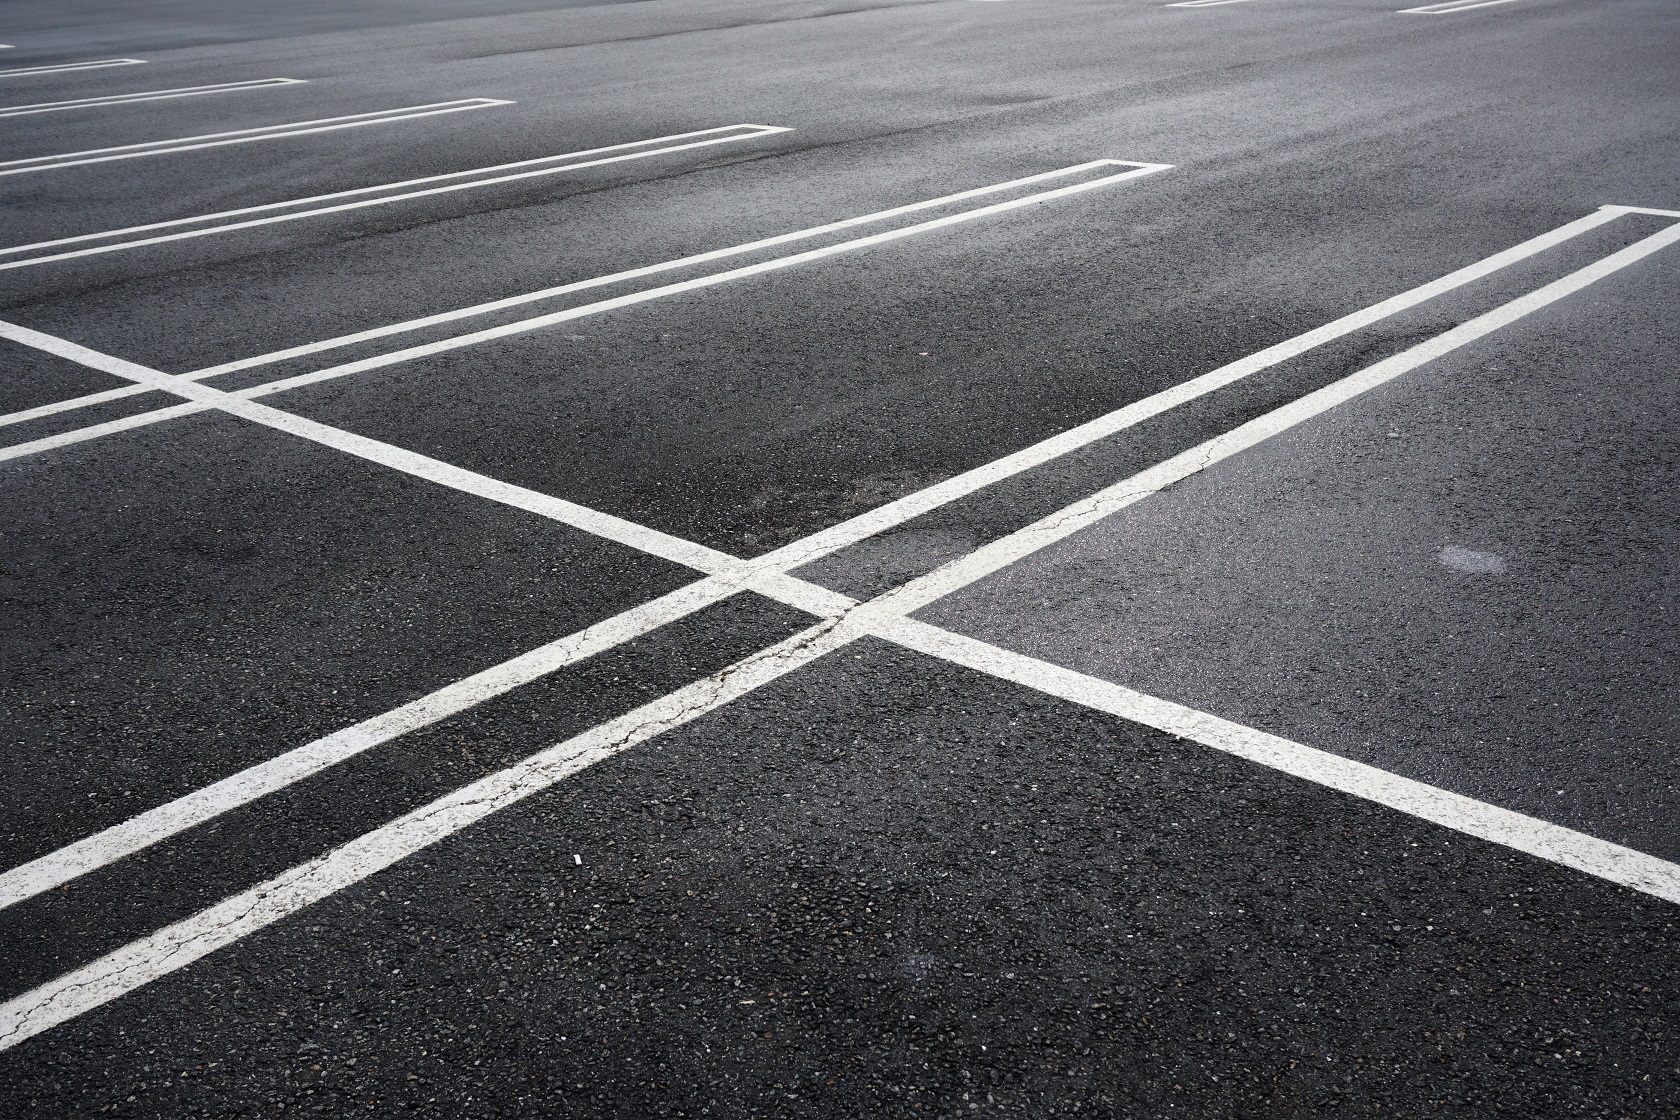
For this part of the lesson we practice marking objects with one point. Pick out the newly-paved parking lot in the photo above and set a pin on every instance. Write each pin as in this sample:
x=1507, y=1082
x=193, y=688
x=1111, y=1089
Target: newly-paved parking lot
x=1023, y=558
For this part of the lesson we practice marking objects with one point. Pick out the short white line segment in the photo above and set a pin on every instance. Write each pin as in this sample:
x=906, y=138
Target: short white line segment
x=152, y=95
x=1454, y=6
x=241, y=136
x=228, y=220
x=67, y=67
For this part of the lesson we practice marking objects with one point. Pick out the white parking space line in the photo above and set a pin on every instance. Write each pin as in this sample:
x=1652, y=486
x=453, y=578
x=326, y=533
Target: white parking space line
x=225, y=221
x=101, y=64
x=644, y=296
x=242, y=136
x=766, y=574
x=1065, y=522
x=682, y=262
x=149, y=95
x=87, y=401
x=1452, y=6
x=1563, y=846
x=1203, y=3
x=175, y=946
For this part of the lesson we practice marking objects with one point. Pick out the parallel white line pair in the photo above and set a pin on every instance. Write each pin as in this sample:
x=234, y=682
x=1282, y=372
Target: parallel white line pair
x=152, y=95
x=1135, y=170
x=1452, y=6
x=240, y=136
x=843, y=621
x=64, y=68
x=225, y=221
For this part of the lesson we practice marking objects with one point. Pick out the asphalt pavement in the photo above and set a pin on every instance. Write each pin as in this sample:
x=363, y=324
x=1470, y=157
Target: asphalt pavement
x=958, y=558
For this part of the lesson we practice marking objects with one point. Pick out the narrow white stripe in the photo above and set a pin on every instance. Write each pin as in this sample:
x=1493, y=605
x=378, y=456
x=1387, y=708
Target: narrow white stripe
x=1088, y=511
x=240, y=136
x=26, y=71
x=1553, y=843
x=221, y=223
x=95, y=431
x=153, y=95
x=1445, y=9
x=176, y=946
x=112, y=844
x=540, y=322
x=86, y=401
x=654, y=269
x=865, y=525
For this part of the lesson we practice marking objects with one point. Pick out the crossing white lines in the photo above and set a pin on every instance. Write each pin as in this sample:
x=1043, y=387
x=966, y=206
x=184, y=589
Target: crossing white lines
x=768, y=574
x=1204, y=3
x=150, y=95
x=67, y=67
x=225, y=221
x=243, y=136
x=886, y=617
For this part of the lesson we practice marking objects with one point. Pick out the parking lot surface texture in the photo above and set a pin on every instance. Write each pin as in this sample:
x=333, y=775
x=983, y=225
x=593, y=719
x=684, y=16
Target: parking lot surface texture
x=998, y=558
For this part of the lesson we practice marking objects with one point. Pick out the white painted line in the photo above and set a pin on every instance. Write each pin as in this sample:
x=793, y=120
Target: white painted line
x=602, y=525
x=97, y=431
x=853, y=530
x=865, y=525
x=153, y=95
x=222, y=221
x=64, y=68
x=1454, y=6
x=1644, y=210
x=1576, y=850
x=1000, y=553
x=73, y=403
x=679, y=263
x=765, y=574
x=183, y=384
x=241, y=136
x=137, y=833
x=172, y=948
x=1204, y=3
x=178, y=945
x=541, y=322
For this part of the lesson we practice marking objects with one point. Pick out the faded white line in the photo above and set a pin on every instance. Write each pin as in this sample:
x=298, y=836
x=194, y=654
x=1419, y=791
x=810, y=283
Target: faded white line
x=67, y=67
x=151, y=95
x=1446, y=9
x=224, y=221
x=241, y=136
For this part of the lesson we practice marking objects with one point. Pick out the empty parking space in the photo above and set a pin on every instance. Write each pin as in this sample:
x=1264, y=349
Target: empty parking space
x=933, y=559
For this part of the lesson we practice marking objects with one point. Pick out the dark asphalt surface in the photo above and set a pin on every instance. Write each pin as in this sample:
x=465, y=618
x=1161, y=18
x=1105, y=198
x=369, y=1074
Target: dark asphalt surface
x=883, y=885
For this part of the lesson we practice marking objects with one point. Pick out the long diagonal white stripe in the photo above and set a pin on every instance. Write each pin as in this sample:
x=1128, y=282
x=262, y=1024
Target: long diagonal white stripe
x=174, y=947
x=227, y=221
